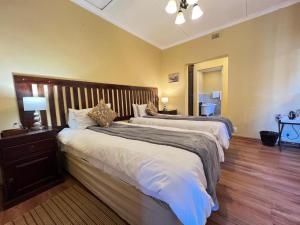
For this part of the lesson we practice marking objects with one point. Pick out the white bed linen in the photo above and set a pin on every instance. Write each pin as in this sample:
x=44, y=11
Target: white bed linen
x=209, y=135
x=218, y=129
x=169, y=174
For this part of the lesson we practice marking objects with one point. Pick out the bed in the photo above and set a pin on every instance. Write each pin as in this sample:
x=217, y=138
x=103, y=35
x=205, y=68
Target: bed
x=139, y=180
x=157, y=172
x=218, y=129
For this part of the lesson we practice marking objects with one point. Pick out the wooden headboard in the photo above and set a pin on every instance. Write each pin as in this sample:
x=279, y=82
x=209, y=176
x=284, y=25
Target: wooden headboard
x=64, y=94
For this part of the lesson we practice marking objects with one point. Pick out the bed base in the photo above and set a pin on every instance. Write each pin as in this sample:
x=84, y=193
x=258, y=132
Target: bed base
x=128, y=202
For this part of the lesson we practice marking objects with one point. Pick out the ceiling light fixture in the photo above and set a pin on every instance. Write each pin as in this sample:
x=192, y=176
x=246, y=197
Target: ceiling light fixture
x=171, y=8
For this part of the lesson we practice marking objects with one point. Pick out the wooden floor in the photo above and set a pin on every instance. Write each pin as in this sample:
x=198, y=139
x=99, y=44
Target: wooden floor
x=259, y=186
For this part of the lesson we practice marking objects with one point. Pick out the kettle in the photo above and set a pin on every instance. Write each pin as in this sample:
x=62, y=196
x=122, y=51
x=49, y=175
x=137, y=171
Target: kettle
x=292, y=115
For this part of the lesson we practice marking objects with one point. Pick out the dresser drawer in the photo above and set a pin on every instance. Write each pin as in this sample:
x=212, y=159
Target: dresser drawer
x=28, y=150
x=26, y=175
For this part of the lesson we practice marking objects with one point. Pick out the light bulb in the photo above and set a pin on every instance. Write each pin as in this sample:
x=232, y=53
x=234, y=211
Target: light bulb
x=197, y=12
x=191, y=2
x=171, y=7
x=180, y=18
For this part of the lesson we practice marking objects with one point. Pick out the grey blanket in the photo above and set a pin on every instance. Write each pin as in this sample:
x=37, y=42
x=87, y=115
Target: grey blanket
x=199, y=144
x=224, y=120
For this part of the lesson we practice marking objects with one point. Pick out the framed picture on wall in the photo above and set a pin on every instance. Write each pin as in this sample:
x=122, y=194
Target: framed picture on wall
x=173, y=77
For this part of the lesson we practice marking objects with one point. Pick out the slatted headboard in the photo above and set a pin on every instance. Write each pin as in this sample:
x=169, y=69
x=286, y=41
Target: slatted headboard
x=64, y=94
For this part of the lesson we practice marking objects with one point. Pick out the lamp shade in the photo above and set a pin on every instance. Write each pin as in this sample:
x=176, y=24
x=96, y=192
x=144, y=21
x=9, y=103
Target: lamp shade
x=197, y=12
x=34, y=103
x=164, y=100
x=191, y=2
x=171, y=7
x=180, y=18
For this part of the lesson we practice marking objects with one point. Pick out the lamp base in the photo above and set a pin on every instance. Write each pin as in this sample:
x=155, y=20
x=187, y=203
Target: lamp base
x=37, y=122
x=37, y=126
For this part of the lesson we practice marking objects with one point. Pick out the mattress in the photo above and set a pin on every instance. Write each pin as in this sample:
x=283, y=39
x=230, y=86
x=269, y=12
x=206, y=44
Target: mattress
x=217, y=129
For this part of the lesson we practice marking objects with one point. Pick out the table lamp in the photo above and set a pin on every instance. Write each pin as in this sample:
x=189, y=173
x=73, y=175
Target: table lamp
x=164, y=101
x=35, y=104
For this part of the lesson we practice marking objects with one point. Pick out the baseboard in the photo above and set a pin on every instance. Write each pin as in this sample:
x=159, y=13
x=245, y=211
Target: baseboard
x=245, y=138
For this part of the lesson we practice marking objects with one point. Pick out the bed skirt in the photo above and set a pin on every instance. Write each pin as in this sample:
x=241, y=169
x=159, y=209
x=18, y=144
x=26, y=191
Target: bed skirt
x=128, y=202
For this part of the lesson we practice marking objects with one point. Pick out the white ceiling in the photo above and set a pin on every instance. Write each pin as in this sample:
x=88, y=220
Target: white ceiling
x=148, y=20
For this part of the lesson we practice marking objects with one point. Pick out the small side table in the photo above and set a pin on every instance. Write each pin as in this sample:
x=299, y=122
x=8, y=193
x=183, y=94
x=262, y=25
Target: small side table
x=168, y=112
x=29, y=164
x=285, y=121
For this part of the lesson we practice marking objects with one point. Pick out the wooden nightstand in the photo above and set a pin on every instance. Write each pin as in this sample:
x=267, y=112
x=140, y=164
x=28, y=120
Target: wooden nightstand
x=169, y=112
x=29, y=164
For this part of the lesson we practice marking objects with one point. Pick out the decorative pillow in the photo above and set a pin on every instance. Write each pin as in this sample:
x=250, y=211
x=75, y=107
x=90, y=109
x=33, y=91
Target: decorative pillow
x=78, y=119
x=151, y=109
x=142, y=110
x=102, y=114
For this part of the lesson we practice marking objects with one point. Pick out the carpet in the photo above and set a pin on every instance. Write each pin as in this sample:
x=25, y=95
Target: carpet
x=73, y=206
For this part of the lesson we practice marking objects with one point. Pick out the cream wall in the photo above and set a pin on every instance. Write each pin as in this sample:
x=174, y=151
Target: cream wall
x=212, y=81
x=264, y=68
x=59, y=38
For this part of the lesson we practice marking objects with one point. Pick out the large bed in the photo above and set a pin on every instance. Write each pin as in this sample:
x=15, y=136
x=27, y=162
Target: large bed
x=171, y=179
x=144, y=182
x=217, y=128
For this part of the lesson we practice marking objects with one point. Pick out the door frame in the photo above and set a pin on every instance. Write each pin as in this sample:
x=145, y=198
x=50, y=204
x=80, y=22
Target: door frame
x=191, y=70
x=193, y=87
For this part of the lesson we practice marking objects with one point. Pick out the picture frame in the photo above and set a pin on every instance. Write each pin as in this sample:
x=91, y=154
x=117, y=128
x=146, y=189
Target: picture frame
x=173, y=77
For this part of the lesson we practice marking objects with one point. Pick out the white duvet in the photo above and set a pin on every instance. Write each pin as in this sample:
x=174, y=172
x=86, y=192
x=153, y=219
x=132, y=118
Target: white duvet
x=169, y=174
x=218, y=129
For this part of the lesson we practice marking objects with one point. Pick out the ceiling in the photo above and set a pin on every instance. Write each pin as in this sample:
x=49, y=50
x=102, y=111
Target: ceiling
x=148, y=20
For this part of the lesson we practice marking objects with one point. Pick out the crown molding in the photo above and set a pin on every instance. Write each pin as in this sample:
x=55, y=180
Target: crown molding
x=86, y=5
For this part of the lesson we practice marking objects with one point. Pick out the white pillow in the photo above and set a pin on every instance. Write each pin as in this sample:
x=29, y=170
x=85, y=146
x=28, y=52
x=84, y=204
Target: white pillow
x=135, y=110
x=142, y=110
x=78, y=119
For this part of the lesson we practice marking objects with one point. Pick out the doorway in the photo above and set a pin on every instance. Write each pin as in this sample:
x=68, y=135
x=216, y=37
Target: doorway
x=209, y=88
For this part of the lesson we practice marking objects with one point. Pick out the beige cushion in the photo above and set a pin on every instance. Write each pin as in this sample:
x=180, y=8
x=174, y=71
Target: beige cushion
x=102, y=114
x=151, y=109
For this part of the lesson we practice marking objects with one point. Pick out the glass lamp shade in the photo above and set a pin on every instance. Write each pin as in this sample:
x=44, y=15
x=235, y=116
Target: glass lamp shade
x=165, y=100
x=171, y=7
x=180, y=18
x=34, y=103
x=191, y=2
x=197, y=12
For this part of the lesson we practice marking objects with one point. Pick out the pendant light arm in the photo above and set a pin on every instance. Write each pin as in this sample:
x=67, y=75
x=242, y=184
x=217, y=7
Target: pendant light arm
x=183, y=4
